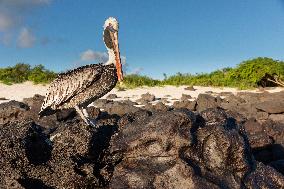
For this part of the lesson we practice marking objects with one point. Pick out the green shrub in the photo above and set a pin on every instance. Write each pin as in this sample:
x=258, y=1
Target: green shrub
x=40, y=75
x=247, y=74
x=252, y=71
x=23, y=72
x=134, y=80
x=17, y=74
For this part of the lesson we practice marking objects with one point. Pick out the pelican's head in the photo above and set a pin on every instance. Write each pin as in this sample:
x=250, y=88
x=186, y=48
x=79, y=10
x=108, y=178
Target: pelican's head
x=111, y=41
x=111, y=21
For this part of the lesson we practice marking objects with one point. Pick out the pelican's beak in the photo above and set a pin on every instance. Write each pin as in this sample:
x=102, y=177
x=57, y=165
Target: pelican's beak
x=114, y=36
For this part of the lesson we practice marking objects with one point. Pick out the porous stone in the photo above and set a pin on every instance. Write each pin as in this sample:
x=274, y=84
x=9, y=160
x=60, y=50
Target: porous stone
x=205, y=101
x=111, y=96
x=272, y=107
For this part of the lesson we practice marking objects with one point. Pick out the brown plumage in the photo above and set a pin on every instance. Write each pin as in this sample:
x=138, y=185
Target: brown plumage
x=80, y=87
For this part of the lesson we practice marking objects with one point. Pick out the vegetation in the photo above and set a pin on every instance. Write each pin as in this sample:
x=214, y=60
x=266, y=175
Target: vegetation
x=23, y=72
x=248, y=74
x=134, y=80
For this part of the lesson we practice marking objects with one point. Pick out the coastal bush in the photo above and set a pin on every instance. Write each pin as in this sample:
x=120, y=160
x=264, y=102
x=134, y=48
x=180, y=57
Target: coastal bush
x=251, y=72
x=41, y=75
x=17, y=74
x=135, y=80
x=248, y=74
x=23, y=72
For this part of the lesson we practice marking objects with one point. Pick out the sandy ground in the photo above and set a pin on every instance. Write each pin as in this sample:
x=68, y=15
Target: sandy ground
x=172, y=93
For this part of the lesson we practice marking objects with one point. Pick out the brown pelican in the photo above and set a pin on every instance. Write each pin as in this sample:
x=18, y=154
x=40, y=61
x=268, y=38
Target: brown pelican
x=79, y=87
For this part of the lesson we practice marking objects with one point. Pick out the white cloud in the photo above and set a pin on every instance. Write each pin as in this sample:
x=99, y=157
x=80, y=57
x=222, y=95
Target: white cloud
x=90, y=55
x=23, y=3
x=6, y=22
x=26, y=39
x=13, y=14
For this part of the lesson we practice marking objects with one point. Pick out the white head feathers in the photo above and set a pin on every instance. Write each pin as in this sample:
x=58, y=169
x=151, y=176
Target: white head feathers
x=111, y=21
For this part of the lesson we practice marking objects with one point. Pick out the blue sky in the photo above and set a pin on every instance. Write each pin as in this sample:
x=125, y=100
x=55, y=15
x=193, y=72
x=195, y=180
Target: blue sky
x=155, y=36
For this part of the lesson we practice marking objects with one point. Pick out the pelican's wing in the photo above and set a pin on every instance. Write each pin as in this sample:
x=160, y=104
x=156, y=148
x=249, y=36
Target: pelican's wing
x=68, y=84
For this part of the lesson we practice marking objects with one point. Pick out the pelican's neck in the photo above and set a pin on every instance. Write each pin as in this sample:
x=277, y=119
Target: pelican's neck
x=111, y=57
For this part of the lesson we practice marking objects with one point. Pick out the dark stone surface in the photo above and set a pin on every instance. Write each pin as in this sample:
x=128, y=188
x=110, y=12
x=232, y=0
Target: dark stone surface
x=185, y=97
x=70, y=157
x=11, y=111
x=256, y=105
x=119, y=108
x=65, y=115
x=226, y=93
x=272, y=107
x=93, y=112
x=178, y=148
x=129, y=102
x=274, y=130
x=157, y=107
x=205, y=101
x=190, y=88
x=277, y=117
x=159, y=147
x=148, y=97
x=258, y=138
x=191, y=105
x=111, y=96
x=278, y=165
x=264, y=177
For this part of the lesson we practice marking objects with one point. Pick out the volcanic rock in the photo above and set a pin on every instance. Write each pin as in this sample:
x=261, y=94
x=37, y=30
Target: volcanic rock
x=272, y=107
x=23, y=145
x=93, y=112
x=129, y=102
x=277, y=117
x=111, y=96
x=189, y=88
x=49, y=122
x=164, y=100
x=275, y=130
x=119, y=108
x=69, y=158
x=209, y=92
x=264, y=177
x=148, y=97
x=157, y=107
x=170, y=149
x=205, y=101
x=261, y=115
x=278, y=165
x=191, y=105
x=12, y=111
x=226, y=93
x=66, y=114
x=100, y=103
x=185, y=97
x=136, y=148
x=151, y=149
x=142, y=101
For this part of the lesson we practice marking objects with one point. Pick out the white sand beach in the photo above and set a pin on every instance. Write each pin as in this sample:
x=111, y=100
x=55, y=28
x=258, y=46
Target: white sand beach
x=25, y=90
